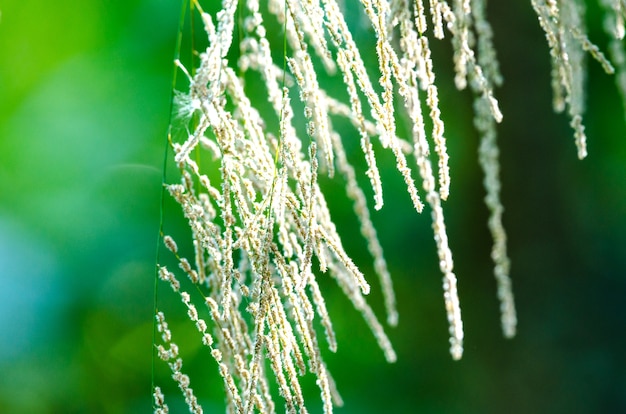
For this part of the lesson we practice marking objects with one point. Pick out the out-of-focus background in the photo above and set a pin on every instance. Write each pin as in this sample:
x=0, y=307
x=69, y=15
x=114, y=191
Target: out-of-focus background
x=84, y=103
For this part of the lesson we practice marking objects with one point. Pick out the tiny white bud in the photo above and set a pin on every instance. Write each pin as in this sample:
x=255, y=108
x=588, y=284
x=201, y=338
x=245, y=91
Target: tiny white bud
x=170, y=244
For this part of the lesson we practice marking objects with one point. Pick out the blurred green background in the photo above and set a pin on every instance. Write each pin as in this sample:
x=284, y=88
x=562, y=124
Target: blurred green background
x=84, y=96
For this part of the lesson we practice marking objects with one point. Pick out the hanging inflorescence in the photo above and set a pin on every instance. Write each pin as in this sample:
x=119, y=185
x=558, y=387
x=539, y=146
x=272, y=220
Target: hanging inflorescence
x=261, y=228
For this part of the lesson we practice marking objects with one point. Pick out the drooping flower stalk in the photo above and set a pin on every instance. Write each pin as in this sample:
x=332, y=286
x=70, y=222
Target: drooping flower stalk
x=261, y=227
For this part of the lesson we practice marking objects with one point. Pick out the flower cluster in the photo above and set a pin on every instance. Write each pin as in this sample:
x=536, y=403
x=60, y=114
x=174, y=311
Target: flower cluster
x=261, y=228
